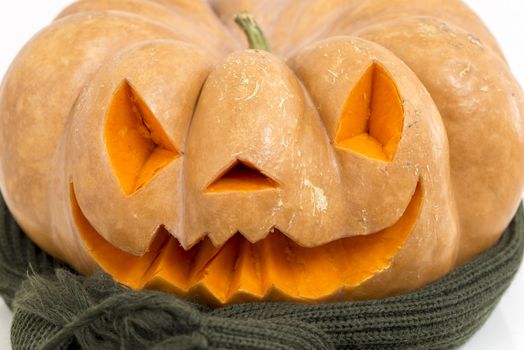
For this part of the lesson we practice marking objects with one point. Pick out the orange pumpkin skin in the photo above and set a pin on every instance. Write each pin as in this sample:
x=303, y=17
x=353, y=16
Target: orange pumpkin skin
x=143, y=143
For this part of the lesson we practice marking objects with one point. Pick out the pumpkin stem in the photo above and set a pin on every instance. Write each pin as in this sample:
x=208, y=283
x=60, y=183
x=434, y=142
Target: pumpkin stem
x=255, y=35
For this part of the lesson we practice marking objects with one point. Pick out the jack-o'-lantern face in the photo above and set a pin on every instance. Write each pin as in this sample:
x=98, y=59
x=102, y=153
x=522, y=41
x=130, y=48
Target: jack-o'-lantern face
x=320, y=171
x=255, y=179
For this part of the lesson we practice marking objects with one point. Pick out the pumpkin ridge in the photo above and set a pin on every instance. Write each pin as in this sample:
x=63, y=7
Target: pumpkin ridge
x=176, y=32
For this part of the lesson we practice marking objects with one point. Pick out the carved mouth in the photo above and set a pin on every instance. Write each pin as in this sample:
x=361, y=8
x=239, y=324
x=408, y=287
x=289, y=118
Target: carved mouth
x=274, y=268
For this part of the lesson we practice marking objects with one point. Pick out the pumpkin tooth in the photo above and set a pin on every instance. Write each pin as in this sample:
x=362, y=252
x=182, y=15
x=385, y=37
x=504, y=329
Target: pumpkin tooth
x=212, y=284
x=246, y=284
x=206, y=253
x=170, y=271
x=279, y=279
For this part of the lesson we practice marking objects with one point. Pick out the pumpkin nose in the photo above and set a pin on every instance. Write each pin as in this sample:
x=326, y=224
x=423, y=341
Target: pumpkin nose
x=242, y=177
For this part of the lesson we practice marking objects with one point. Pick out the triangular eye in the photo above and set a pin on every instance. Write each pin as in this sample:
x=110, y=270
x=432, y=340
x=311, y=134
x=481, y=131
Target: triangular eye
x=136, y=143
x=242, y=176
x=373, y=117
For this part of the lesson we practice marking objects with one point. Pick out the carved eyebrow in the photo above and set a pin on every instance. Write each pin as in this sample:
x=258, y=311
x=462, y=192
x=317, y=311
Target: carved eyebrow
x=137, y=145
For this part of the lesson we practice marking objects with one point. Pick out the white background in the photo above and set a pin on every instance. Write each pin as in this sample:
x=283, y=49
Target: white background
x=20, y=19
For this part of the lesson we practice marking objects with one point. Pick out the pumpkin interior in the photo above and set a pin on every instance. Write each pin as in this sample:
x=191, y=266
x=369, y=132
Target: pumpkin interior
x=372, y=117
x=136, y=143
x=240, y=271
x=242, y=176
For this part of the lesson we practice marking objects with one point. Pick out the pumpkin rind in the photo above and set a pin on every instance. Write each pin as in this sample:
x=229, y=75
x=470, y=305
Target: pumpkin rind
x=306, y=178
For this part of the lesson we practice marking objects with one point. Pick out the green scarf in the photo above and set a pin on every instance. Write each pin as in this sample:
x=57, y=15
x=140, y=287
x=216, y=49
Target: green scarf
x=55, y=308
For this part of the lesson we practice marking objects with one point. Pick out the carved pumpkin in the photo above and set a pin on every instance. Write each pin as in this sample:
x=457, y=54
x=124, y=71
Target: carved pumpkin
x=149, y=143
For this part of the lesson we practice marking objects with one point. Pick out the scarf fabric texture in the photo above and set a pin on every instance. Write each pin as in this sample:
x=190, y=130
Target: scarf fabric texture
x=56, y=308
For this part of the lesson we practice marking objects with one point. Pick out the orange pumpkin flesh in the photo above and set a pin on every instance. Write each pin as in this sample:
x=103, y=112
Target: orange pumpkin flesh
x=136, y=143
x=372, y=119
x=241, y=176
x=240, y=270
